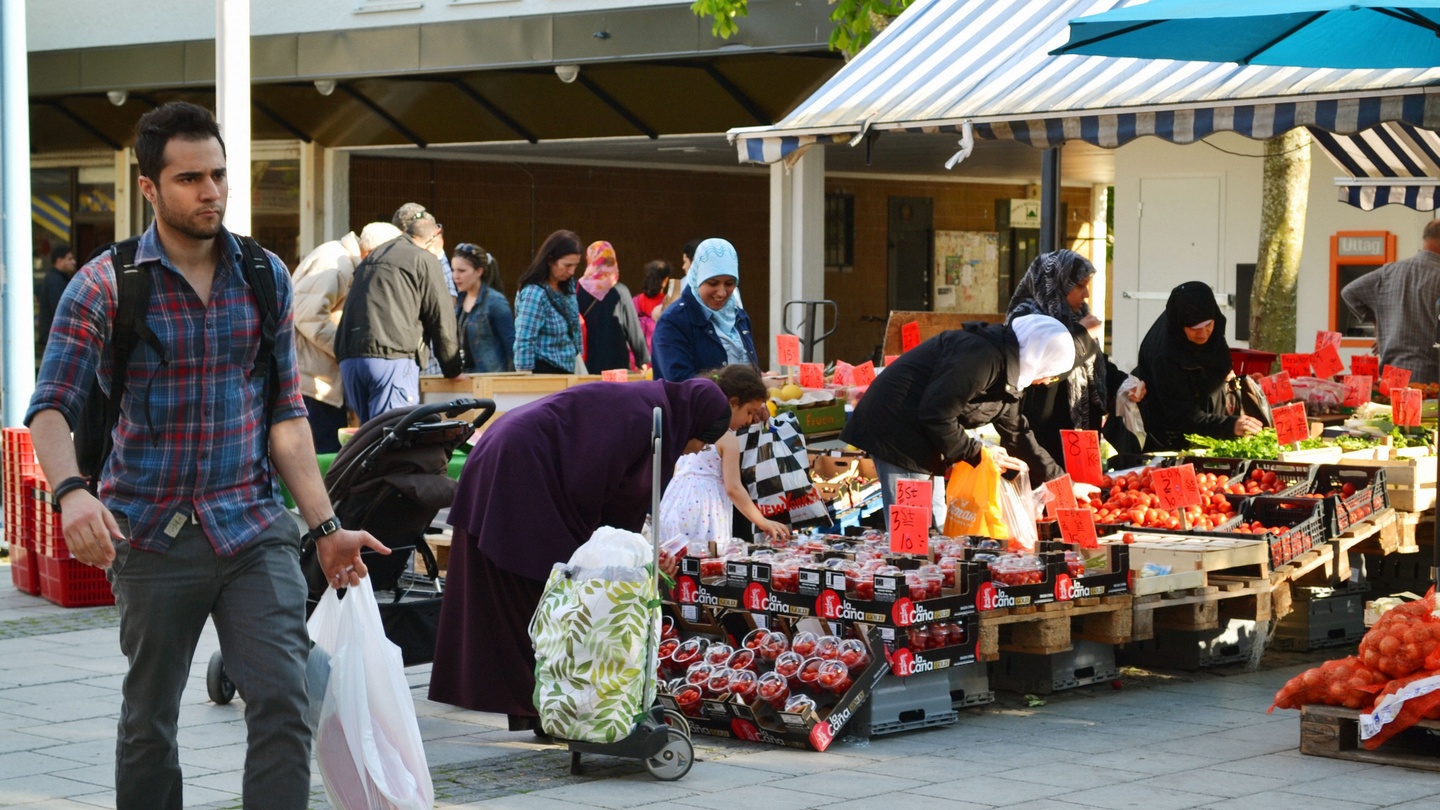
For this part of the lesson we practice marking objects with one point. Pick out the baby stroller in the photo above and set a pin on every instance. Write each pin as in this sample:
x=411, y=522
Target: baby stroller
x=391, y=480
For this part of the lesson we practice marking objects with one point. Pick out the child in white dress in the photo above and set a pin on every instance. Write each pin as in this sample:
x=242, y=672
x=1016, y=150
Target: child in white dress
x=697, y=503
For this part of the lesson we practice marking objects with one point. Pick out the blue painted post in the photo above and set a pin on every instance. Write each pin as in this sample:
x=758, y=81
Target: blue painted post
x=17, y=311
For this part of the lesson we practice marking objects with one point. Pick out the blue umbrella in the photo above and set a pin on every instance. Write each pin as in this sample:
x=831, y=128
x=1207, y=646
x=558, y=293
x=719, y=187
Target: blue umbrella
x=1360, y=34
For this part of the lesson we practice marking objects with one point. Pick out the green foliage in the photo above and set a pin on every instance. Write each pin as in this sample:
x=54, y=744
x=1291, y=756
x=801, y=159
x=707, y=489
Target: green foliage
x=856, y=21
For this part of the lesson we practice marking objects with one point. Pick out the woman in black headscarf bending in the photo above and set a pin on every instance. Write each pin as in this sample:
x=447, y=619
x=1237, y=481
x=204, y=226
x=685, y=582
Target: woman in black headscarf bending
x=1185, y=362
x=1058, y=284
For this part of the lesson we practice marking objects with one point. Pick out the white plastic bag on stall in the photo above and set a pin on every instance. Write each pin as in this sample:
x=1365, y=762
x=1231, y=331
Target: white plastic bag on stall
x=368, y=742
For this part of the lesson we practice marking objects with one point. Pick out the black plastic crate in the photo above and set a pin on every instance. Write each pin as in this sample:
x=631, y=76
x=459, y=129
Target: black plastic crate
x=1232, y=642
x=1344, y=511
x=1323, y=617
x=1296, y=475
x=1219, y=465
x=1085, y=663
x=1304, y=517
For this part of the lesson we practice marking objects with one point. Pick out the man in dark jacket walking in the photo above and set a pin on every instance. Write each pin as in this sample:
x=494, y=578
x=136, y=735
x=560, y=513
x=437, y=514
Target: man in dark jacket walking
x=397, y=305
x=57, y=278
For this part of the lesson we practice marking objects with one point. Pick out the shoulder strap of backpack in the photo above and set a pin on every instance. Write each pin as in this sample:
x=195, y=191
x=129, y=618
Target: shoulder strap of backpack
x=132, y=300
x=260, y=275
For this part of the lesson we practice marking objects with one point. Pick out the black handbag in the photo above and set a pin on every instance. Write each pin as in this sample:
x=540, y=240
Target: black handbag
x=1243, y=396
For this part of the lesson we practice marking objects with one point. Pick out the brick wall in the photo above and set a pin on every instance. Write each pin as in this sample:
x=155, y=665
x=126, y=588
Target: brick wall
x=649, y=214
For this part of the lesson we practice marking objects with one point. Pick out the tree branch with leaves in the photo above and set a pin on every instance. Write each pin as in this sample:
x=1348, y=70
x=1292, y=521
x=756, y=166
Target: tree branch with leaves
x=856, y=21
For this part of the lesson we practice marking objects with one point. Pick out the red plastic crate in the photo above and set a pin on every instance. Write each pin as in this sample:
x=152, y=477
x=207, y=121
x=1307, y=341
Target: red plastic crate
x=17, y=462
x=71, y=583
x=1250, y=361
x=24, y=572
x=49, y=531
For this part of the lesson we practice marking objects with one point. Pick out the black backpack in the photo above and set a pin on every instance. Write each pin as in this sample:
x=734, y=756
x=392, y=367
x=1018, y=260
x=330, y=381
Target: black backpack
x=94, y=435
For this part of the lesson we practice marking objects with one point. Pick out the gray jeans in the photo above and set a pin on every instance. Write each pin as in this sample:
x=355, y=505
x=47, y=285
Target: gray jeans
x=257, y=600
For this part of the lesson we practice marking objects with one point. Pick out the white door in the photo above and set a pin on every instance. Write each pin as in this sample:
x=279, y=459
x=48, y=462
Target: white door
x=1179, y=241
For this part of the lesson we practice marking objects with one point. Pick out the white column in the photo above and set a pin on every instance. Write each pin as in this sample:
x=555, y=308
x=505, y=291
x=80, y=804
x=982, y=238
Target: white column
x=311, y=194
x=232, y=104
x=797, y=236
x=336, y=194
x=16, y=303
x=1099, y=288
x=124, y=195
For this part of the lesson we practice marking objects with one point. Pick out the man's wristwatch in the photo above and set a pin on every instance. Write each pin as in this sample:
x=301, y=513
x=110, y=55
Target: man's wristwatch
x=327, y=527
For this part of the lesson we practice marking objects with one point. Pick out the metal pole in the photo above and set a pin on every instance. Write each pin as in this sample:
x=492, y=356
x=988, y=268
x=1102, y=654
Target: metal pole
x=1052, y=227
x=19, y=285
x=232, y=104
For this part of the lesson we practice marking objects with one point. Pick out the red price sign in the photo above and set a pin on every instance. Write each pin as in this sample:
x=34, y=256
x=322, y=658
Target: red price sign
x=1357, y=390
x=1393, y=377
x=890, y=358
x=615, y=375
x=914, y=493
x=910, y=530
x=1078, y=526
x=1406, y=408
x=787, y=350
x=1323, y=339
x=864, y=374
x=1290, y=423
x=1296, y=365
x=842, y=373
x=1367, y=364
x=1082, y=455
x=1326, y=362
x=1277, y=388
x=1062, y=495
x=812, y=375
x=1176, y=487
x=909, y=336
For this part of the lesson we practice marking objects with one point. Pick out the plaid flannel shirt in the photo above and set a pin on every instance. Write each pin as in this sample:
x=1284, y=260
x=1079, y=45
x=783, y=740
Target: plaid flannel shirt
x=191, y=437
x=541, y=331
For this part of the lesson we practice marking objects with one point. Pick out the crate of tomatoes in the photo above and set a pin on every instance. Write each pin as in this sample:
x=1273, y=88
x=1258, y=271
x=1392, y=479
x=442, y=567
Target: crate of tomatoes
x=1129, y=499
x=1292, y=525
x=1269, y=477
x=1350, y=494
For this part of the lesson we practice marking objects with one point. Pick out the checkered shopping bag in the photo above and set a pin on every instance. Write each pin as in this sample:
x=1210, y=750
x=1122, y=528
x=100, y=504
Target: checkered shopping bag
x=775, y=468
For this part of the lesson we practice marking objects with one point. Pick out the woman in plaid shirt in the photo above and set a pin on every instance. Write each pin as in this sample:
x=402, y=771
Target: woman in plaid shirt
x=547, y=321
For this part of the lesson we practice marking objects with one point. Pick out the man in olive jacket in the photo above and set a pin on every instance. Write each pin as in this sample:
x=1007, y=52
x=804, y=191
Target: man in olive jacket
x=397, y=305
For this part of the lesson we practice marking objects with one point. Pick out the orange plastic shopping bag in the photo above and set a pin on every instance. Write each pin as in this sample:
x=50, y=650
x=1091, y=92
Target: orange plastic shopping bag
x=972, y=500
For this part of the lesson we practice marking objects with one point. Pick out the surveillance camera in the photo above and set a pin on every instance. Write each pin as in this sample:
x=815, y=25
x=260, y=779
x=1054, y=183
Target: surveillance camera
x=118, y=97
x=325, y=86
x=567, y=73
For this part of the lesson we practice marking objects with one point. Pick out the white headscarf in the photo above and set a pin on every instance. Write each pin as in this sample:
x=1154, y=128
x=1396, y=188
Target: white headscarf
x=1046, y=348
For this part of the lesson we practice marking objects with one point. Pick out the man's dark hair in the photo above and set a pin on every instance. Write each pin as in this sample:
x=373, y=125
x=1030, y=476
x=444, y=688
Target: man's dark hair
x=60, y=251
x=691, y=246
x=175, y=119
x=656, y=274
x=1432, y=231
x=557, y=244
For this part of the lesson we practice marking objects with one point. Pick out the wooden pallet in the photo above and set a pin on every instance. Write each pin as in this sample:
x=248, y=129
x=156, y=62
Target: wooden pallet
x=1225, y=597
x=1052, y=628
x=1331, y=731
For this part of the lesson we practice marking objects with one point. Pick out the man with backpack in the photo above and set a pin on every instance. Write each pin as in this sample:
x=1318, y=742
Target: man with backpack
x=187, y=520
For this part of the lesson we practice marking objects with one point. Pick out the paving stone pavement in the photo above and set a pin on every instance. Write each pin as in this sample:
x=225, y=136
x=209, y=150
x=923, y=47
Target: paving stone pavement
x=1165, y=741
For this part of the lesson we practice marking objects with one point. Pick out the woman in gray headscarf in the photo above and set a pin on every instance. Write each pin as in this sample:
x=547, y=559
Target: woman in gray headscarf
x=1058, y=284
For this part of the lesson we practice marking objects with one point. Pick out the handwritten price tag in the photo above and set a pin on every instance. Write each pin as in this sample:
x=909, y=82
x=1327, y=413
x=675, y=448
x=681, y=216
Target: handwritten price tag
x=1078, y=526
x=1062, y=495
x=1326, y=362
x=1406, y=408
x=1176, y=487
x=909, y=336
x=1277, y=388
x=913, y=493
x=890, y=358
x=615, y=375
x=1290, y=423
x=1323, y=339
x=842, y=373
x=1082, y=455
x=910, y=530
x=1296, y=365
x=1357, y=390
x=1393, y=377
x=812, y=375
x=864, y=374
x=1367, y=364
x=787, y=350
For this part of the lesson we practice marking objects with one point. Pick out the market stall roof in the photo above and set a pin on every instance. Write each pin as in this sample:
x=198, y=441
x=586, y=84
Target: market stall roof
x=945, y=65
x=1393, y=163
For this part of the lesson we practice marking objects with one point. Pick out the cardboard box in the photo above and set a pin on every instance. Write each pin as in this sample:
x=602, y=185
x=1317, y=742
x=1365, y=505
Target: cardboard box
x=819, y=417
x=821, y=593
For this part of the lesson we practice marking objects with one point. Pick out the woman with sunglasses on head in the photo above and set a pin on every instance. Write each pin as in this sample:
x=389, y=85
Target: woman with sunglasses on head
x=482, y=313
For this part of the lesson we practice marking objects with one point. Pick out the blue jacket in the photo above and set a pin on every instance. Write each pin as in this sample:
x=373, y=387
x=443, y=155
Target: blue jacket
x=685, y=342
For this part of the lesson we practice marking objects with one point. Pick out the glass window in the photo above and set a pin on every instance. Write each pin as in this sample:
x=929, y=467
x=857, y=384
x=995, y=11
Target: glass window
x=275, y=207
x=839, y=230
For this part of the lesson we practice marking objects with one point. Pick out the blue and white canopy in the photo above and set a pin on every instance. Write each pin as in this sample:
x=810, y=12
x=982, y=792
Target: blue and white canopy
x=944, y=65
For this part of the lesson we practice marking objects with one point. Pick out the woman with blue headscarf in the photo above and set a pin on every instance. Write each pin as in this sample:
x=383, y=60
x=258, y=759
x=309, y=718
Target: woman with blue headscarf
x=706, y=327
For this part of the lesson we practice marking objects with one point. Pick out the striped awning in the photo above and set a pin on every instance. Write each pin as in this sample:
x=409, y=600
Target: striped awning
x=943, y=64
x=1391, y=164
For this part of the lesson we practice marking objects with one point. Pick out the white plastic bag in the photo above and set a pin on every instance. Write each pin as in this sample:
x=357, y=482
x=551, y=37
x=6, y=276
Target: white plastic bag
x=368, y=742
x=1018, y=507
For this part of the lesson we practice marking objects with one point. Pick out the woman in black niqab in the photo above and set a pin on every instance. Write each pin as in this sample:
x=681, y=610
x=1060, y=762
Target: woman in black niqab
x=1186, y=380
